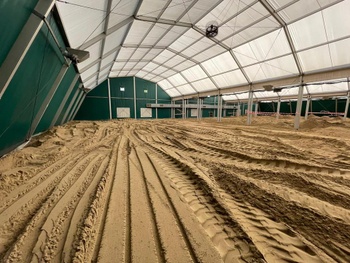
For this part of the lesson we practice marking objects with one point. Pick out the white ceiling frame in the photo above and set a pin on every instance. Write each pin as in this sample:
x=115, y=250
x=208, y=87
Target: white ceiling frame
x=176, y=22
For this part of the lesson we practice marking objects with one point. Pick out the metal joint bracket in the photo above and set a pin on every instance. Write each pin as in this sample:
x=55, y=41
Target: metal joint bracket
x=41, y=16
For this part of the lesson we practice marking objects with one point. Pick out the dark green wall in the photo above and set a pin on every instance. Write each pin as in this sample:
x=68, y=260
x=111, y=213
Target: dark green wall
x=33, y=79
x=95, y=105
x=13, y=16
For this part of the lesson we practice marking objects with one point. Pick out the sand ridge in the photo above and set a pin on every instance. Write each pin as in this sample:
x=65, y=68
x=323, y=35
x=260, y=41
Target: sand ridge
x=179, y=191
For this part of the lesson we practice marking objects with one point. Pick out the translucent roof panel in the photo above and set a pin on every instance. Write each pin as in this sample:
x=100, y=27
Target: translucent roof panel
x=250, y=32
x=316, y=58
x=81, y=28
x=108, y=60
x=303, y=8
x=230, y=79
x=284, y=66
x=173, y=92
x=308, y=32
x=341, y=86
x=165, y=84
x=209, y=53
x=95, y=51
x=270, y=41
x=337, y=22
x=137, y=32
x=164, y=56
x=114, y=39
x=220, y=64
x=204, y=85
x=156, y=31
x=177, y=80
x=121, y=10
x=186, y=89
x=186, y=40
x=194, y=73
x=199, y=9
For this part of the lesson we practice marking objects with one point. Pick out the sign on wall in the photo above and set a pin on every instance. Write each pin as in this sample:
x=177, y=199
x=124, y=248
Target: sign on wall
x=194, y=112
x=123, y=112
x=146, y=113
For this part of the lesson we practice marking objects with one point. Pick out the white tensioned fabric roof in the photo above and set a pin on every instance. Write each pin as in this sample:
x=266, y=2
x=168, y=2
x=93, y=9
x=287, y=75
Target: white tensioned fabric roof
x=259, y=42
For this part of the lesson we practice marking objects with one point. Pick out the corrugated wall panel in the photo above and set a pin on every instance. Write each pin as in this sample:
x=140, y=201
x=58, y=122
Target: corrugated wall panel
x=16, y=14
x=122, y=96
x=56, y=100
x=28, y=89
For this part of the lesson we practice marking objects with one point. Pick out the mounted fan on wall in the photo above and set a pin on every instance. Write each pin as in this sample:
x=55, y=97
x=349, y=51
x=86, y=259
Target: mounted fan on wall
x=212, y=29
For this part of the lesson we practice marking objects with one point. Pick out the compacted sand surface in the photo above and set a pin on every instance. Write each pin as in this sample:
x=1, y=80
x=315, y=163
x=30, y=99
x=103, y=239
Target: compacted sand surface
x=179, y=191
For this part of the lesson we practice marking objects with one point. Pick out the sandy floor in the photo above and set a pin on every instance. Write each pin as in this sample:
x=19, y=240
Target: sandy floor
x=179, y=191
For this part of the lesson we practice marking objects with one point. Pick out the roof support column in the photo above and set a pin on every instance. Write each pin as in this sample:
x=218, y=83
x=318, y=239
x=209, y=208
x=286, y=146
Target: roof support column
x=109, y=98
x=64, y=100
x=75, y=105
x=156, y=92
x=183, y=108
x=219, y=107
x=238, y=112
x=250, y=106
x=256, y=109
x=172, y=109
x=307, y=107
x=47, y=100
x=198, y=107
x=24, y=41
x=64, y=119
x=299, y=104
x=79, y=104
x=278, y=108
x=134, y=86
x=347, y=106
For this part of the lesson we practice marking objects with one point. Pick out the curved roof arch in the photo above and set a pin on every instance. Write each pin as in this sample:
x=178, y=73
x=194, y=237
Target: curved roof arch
x=259, y=42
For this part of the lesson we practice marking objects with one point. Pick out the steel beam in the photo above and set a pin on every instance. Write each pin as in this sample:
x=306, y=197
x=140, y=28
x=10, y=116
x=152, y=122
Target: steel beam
x=347, y=106
x=64, y=100
x=107, y=32
x=307, y=107
x=75, y=105
x=47, y=100
x=278, y=109
x=156, y=92
x=134, y=86
x=299, y=104
x=109, y=98
x=64, y=119
x=79, y=104
x=23, y=42
x=250, y=107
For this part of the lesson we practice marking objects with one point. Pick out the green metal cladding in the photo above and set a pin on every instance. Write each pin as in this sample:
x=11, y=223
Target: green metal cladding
x=33, y=79
x=95, y=105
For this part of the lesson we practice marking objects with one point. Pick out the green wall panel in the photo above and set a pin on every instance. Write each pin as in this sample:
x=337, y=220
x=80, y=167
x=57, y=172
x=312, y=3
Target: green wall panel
x=100, y=109
x=56, y=100
x=125, y=99
x=162, y=94
x=28, y=89
x=100, y=91
x=14, y=13
x=117, y=83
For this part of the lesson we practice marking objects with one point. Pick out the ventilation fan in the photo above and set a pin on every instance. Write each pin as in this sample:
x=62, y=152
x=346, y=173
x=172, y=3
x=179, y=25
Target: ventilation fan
x=212, y=29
